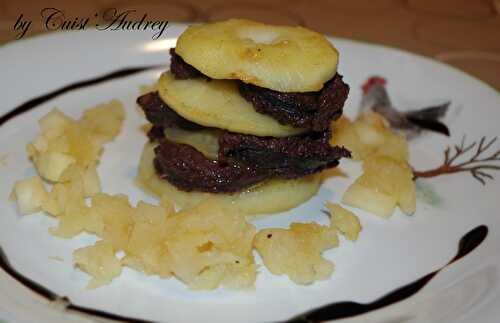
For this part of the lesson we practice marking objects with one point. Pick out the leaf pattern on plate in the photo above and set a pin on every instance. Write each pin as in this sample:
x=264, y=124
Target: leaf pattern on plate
x=427, y=194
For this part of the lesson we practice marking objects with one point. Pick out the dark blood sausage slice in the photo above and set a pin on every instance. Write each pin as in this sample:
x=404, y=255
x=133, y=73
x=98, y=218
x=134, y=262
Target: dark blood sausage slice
x=189, y=170
x=161, y=115
x=181, y=69
x=311, y=110
x=243, y=160
x=289, y=157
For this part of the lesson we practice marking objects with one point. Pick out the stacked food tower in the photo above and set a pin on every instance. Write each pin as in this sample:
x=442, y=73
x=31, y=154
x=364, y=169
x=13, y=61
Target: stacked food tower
x=244, y=113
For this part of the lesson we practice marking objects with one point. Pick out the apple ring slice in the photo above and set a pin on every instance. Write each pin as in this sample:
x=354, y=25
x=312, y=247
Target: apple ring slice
x=280, y=58
x=218, y=104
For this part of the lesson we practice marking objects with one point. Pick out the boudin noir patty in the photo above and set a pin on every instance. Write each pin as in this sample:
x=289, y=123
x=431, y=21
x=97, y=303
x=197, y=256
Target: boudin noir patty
x=189, y=170
x=288, y=157
x=161, y=115
x=181, y=69
x=310, y=110
x=243, y=160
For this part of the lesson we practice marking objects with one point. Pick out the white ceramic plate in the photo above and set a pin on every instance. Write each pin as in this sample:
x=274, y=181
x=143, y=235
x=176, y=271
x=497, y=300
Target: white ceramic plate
x=389, y=253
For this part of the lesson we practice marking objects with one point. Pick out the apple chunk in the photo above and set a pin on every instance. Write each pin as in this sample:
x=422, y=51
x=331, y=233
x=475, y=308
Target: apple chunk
x=385, y=183
x=30, y=194
x=366, y=198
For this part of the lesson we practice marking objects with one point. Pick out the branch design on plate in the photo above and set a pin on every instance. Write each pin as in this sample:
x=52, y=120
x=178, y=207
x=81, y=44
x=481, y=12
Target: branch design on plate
x=478, y=165
x=411, y=123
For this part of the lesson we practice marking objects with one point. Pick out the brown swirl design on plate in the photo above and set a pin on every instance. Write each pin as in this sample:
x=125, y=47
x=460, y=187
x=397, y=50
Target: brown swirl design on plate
x=33, y=103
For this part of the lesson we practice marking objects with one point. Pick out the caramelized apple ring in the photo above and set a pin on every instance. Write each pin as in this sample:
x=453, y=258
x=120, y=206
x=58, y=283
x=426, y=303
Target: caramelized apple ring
x=218, y=104
x=281, y=58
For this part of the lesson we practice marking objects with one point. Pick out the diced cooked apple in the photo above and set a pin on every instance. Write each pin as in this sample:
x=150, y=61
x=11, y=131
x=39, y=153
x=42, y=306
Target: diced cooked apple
x=370, y=129
x=104, y=120
x=374, y=119
x=59, y=144
x=296, y=252
x=117, y=216
x=67, y=193
x=386, y=174
x=345, y=221
x=51, y=206
x=55, y=123
x=395, y=177
x=41, y=144
x=72, y=222
x=66, y=153
x=30, y=194
x=91, y=182
x=100, y=262
x=67, y=202
x=239, y=276
x=369, y=135
x=146, y=243
x=55, y=204
x=345, y=135
x=94, y=223
x=395, y=146
x=83, y=146
x=408, y=198
x=51, y=165
x=233, y=276
x=386, y=181
x=366, y=198
x=209, y=278
x=64, y=142
x=207, y=235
